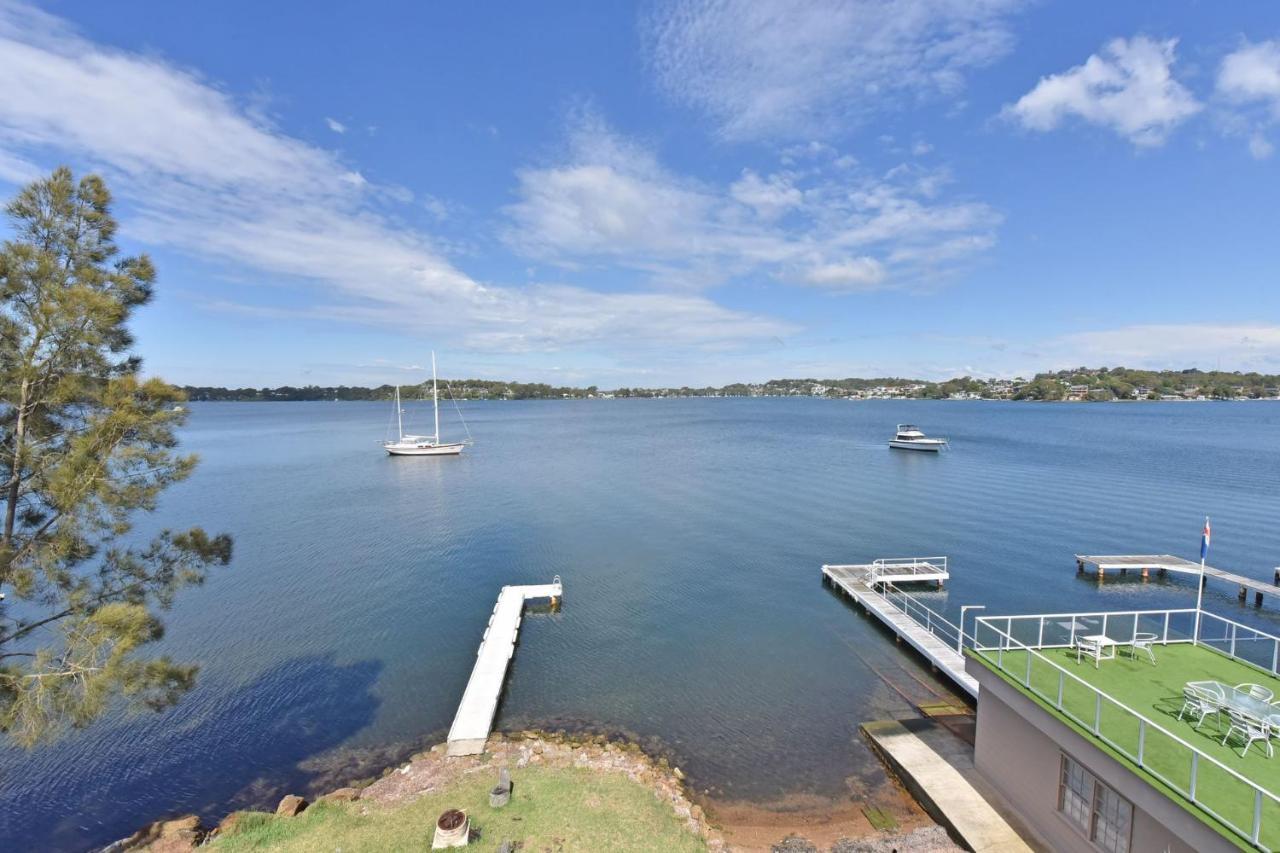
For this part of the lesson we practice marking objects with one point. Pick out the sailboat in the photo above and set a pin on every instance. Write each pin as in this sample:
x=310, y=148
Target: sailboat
x=422, y=445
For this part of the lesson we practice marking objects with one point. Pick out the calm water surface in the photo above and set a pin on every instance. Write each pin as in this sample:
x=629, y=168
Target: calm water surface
x=689, y=534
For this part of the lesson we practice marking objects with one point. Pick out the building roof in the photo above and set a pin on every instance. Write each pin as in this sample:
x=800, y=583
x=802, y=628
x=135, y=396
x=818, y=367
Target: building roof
x=1139, y=724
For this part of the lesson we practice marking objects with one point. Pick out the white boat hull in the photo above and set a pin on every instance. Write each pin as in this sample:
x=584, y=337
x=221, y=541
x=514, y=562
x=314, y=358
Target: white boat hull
x=931, y=445
x=424, y=449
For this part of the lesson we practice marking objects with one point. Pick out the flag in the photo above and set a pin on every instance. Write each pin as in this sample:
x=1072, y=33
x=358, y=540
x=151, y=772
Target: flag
x=1204, y=541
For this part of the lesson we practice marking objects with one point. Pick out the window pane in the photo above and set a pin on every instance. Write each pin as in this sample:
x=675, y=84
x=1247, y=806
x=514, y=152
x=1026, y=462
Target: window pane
x=1075, y=798
x=1112, y=818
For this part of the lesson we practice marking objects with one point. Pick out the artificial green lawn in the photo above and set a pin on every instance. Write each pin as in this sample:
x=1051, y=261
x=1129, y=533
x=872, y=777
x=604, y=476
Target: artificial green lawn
x=550, y=809
x=1155, y=692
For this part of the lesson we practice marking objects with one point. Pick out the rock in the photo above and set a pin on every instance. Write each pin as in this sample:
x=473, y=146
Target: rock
x=291, y=806
x=678, y=773
x=172, y=844
x=341, y=795
x=178, y=834
x=228, y=823
x=794, y=844
x=499, y=796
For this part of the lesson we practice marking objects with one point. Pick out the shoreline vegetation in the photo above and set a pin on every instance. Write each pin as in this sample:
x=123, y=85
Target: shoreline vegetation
x=567, y=793
x=1083, y=384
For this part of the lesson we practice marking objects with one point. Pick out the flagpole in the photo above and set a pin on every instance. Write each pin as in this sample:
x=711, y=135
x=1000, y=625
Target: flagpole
x=1204, y=550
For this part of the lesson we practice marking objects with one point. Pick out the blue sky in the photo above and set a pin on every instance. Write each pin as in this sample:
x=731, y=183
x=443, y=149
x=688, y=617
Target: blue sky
x=671, y=193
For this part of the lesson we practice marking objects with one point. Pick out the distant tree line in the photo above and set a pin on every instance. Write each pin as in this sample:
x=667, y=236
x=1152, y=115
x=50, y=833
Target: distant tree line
x=1083, y=383
x=1122, y=383
x=464, y=389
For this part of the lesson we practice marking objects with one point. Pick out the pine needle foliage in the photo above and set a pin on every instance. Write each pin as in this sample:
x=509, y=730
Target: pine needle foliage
x=86, y=444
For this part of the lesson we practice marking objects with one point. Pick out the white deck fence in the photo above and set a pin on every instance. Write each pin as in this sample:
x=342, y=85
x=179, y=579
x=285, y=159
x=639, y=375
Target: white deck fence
x=1011, y=644
x=903, y=568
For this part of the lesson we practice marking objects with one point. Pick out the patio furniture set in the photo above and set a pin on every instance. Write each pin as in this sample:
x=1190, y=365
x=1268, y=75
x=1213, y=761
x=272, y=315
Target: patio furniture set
x=1100, y=647
x=1254, y=717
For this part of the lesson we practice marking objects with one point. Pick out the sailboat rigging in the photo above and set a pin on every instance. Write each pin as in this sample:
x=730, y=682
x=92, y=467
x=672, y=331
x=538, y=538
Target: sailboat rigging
x=422, y=445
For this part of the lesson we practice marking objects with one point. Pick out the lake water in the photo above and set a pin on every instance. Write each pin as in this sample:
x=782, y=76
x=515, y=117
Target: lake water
x=689, y=535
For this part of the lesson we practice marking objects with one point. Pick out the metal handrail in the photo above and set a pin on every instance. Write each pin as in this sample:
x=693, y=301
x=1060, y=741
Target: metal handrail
x=933, y=621
x=1108, y=618
x=1234, y=639
x=909, y=565
x=1143, y=723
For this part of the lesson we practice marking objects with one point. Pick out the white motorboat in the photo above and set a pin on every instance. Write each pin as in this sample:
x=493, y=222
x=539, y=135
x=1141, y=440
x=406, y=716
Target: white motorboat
x=422, y=445
x=910, y=437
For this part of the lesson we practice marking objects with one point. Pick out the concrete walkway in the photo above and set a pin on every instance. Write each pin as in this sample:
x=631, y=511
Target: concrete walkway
x=942, y=787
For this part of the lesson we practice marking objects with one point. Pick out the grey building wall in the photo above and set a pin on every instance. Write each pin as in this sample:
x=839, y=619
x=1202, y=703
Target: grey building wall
x=1018, y=750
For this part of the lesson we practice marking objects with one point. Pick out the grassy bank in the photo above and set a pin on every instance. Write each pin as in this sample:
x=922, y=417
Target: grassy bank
x=550, y=808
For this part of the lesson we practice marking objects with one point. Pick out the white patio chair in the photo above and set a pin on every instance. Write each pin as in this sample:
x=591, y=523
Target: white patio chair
x=1144, y=643
x=1090, y=648
x=1248, y=727
x=1199, y=703
x=1256, y=691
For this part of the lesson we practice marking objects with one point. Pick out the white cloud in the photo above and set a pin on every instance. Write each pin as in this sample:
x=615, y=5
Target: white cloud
x=769, y=197
x=1129, y=89
x=335, y=125
x=1252, y=73
x=778, y=70
x=830, y=226
x=17, y=170
x=1249, y=80
x=201, y=174
x=1245, y=346
x=853, y=274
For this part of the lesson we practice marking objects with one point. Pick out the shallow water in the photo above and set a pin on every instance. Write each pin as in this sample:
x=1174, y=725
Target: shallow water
x=689, y=535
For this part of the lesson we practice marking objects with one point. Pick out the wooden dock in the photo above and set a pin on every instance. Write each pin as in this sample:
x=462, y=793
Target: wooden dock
x=474, y=719
x=859, y=581
x=1164, y=563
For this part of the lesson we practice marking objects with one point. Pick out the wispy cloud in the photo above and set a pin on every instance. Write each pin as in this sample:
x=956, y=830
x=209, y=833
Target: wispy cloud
x=1245, y=346
x=769, y=69
x=211, y=178
x=1249, y=80
x=335, y=125
x=1128, y=88
x=829, y=224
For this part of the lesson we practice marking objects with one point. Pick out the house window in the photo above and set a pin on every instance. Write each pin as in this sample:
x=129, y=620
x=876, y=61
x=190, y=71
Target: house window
x=1098, y=812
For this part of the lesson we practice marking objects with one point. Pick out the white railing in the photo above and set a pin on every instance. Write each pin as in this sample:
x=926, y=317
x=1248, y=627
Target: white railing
x=1060, y=630
x=898, y=566
x=1240, y=642
x=1234, y=800
x=931, y=620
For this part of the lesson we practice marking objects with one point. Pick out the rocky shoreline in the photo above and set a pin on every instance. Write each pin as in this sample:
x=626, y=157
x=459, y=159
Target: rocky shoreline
x=431, y=770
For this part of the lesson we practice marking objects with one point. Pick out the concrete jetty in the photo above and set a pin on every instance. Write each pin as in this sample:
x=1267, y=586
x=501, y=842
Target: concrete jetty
x=945, y=785
x=474, y=719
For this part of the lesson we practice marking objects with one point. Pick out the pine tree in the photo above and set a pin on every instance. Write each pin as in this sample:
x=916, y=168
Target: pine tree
x=85, y=444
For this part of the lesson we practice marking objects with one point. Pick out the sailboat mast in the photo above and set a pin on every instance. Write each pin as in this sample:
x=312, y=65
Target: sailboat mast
x=435, y=394
x=399, y=414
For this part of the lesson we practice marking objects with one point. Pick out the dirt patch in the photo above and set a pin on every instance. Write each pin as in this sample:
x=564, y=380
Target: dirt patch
x=822, y=822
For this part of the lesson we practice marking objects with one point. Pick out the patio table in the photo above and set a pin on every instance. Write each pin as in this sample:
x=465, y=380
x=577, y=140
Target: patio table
x=1103, y=648
x=1242, y=701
